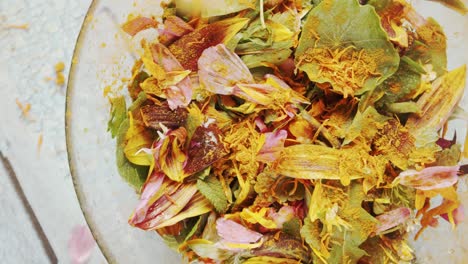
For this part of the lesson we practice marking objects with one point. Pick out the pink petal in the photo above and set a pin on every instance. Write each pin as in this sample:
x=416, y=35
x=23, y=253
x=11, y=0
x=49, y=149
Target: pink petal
x=164, y=208
x=80, y=244
x=233, y=232
x=180, y=94
x=220, y=69
x=392, y=218
x=174, y=27
x=274, y=144
x=261, y=125
x=164, y=57
x=430, y=178
x=284, y=214
x=149, y=189
x=458, y=215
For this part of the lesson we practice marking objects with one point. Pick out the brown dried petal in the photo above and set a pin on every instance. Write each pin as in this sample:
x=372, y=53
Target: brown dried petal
x=155, y=115
x=205, y=148
x=189, y=47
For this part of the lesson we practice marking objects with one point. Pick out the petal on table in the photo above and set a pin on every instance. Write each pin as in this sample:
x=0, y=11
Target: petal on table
x=80, y=244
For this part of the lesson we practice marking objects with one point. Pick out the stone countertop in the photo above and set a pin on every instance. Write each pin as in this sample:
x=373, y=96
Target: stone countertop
x=38, y=204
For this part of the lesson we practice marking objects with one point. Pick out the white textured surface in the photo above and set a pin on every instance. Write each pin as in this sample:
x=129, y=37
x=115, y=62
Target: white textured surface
x=27, y=58
x=15, y=223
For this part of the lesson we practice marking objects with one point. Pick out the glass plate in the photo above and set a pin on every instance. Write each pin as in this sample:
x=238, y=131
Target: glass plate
x=102, y=58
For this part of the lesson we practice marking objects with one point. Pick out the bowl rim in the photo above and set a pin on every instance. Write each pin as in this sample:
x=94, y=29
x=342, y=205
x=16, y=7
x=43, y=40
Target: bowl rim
x=68, y=124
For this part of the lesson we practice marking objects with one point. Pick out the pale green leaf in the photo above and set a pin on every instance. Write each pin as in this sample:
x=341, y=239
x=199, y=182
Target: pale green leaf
x=212, y=189
x=118, y=115
x=365, y=125
x=133, y=174
x=345, y=29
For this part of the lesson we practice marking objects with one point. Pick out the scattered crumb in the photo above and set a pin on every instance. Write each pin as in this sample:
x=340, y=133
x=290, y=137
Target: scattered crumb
x=59, y=67
x=106, y=90
x=18, y=26
x=60, y=77
x=39, y=143
x=25, y=108
x=103, y=45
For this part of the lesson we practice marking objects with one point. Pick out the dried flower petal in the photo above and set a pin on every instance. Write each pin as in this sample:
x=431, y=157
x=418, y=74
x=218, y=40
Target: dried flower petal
x=438, y=104
x=137, y=24
x=205, y=147
x=221, y=69
x=458, y=215
x=429, y=178
x=163, y=205
x=80, y=244
x=174, y=28
x=274, y=144
x=179, y=94
x=171, y=156
x=190, y=47
x=156, y=115
x=233, y=232
x=391, y=219
x=149, y=189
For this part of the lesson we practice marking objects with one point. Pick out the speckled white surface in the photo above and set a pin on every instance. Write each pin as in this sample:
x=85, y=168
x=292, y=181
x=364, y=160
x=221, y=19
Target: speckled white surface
x=27, y=58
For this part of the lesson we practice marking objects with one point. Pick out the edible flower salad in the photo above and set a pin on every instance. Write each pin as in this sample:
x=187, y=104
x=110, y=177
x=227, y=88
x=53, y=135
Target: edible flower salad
x=289, y=131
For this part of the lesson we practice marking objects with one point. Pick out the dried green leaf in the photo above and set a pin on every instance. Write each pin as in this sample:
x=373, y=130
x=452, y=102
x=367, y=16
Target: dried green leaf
x=212, y=189
x=293, y=227
x=365, y=125
x=430, y=46
x=118, y=115
x=343, y=36
x=134, y=88
x=347, y=241
x=133, y=174
x=449, y=156
x=400, y=86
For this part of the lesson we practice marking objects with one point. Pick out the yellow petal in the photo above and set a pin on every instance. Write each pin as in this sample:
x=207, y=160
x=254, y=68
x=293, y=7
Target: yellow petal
x=258, y=217
x=270, y=260
x=153, y=69
x=438, y=104
x=280, y=32
x=401, y=37
x=137, y=137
